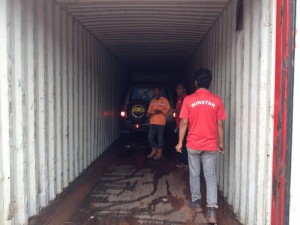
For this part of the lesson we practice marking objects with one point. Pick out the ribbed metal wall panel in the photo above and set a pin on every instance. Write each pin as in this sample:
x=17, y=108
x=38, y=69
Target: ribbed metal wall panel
x=59, y=99
x=242, y=63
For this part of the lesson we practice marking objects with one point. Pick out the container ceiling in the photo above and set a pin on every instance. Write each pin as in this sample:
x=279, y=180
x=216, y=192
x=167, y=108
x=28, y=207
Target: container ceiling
x=148, y=32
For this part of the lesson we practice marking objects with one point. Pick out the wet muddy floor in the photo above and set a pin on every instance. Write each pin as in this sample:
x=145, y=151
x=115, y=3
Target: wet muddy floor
x=123, y=187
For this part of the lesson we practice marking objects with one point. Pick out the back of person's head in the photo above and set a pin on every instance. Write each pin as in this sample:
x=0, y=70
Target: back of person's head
x=203, y=78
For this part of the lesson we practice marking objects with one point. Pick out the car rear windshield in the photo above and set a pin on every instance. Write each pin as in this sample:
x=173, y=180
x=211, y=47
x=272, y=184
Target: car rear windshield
x=145, y=93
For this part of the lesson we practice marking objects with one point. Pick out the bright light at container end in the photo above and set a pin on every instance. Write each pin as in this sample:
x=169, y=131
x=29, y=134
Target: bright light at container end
x=123, y=114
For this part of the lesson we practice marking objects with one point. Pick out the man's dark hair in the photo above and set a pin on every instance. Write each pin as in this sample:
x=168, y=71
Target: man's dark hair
x=203, y=78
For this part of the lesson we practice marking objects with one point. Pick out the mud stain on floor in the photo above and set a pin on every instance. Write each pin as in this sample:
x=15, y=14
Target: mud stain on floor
x=145, y=196
x=123, y=187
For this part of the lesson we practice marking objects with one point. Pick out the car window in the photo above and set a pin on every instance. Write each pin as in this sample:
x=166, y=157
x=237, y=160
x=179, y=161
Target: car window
x=145, y=93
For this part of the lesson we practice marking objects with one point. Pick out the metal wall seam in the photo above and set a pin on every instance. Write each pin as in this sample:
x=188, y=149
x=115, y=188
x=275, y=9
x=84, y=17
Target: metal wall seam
x=89, y=116
x=5, y=100
x=84, y=94
x=254, y=116
x=105, y=100
x=266, y=111
x=87, y=98
x=94, y=109
x=101, y=140
x=58, y=95
x=50, y=107
x=18, y=167
x=40, y=74
x=238, y=121
x=219, y=86
x=92, y=115
x=71, y=72
x=81, y=94
x=75, y=100
x=227, y=97
x=97, y=86
x=65, y=86
x=232, y=107
x=101, y=99
x=245, y=93
x=30, y=106
x=94, y=103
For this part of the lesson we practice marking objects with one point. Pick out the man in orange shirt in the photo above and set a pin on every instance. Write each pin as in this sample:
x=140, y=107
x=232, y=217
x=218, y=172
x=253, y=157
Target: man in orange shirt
x=158, y=109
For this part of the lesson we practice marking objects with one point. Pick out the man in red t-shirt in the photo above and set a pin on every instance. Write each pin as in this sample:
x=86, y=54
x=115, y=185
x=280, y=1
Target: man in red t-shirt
x=203, y=113
x=181, y=94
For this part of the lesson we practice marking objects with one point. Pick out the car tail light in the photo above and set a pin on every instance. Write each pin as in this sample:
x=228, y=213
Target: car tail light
x=123, y=114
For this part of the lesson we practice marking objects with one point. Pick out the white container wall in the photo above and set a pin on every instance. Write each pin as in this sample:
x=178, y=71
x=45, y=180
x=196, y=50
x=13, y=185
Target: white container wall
x=59, y=101
x=242, y=64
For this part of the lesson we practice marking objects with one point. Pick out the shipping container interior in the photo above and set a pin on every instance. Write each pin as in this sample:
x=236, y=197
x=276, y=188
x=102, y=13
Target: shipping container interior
x=66, y=64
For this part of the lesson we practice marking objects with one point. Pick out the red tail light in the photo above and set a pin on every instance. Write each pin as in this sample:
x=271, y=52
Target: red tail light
x=123, y=114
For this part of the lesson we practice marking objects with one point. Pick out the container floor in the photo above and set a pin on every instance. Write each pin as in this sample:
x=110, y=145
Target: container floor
x=123, y=187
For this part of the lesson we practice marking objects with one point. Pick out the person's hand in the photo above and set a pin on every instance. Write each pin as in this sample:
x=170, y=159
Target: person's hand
x=221, y=148
x=178, y=148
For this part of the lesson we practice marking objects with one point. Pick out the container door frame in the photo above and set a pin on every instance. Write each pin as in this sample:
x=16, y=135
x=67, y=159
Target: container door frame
x=284, y=83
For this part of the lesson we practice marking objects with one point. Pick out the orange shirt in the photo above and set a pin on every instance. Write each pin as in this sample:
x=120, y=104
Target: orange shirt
x=161, y=104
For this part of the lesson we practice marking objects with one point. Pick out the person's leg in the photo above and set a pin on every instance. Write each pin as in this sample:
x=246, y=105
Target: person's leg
x=209, y=168
x=209, y=160
x=151, y=139
x=160, y=141
x=194, y=171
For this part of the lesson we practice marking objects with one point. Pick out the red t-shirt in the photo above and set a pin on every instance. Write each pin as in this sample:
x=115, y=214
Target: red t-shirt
x=202, y=109
x=178, y=108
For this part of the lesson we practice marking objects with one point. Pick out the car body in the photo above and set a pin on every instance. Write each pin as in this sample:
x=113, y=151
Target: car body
x=134, y=110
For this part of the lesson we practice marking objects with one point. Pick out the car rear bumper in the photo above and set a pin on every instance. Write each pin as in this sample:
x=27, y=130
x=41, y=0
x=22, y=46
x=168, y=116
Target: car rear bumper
x=127, y=127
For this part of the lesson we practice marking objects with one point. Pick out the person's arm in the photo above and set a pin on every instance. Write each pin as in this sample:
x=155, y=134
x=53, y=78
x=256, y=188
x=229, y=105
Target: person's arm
x=182, y=130
x=150, y=111
x=167, y=107
x=221, y=135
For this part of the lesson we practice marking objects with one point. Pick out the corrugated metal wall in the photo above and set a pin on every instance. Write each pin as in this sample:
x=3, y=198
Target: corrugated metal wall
x=242, y=64
x=59, y=104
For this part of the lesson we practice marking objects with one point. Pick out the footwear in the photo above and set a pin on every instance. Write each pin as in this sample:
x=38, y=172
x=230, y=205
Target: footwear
x=180, y=165
x=158, y=155
x=196, y=206
x=211, y=215
x=152, y=154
